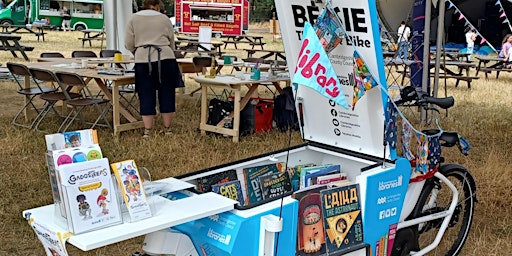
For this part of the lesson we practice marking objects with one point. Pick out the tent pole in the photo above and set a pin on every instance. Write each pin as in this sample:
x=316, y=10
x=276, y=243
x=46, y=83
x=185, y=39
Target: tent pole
x=439, y=41
x=426, y=53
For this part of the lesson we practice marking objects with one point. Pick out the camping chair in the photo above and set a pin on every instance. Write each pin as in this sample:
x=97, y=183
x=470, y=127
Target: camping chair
x=50, y=98
x=83, y=54
x=67, y=81
x=201, y=63
x=51, y=55
x=20, y=71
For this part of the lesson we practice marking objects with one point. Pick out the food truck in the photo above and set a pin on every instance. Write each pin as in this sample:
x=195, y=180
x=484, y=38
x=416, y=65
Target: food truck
x=225, y=17
x=85, y=14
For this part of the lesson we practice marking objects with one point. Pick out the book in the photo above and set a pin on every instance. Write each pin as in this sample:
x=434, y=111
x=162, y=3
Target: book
x=71, y=139
x=328, y=178
x=231, y=189
x=341, y=209
x=57, y=158
x=132, y=190
x=309, y=172
x=310, y=227
x=205, y=183
x=252, y=181
x=89, y=196
x=295, y=174
x=275, y=184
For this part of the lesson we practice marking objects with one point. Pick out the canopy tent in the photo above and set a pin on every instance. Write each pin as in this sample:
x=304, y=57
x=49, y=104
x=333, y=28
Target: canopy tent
x=116, y=16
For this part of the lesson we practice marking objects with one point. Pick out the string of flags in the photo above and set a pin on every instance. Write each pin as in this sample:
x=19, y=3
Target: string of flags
x=467, y=23
x=503, y=14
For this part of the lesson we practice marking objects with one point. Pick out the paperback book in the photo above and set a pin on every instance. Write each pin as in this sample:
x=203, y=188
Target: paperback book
x=204, y=184
x=310, y=226
x=231, y=189
x=132, y=189
x=309, y=173
x=275, y=184
x=72, y=139
x=89, y=196
x=343, y=222
x=252, y=179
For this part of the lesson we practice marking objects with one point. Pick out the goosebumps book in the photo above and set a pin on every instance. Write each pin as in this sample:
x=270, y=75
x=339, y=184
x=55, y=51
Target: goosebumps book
x=310, y=235
x=342, y=217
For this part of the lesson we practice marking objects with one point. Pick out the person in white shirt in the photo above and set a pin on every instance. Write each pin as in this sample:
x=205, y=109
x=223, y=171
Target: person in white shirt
x=470, y=40
x=403, y=40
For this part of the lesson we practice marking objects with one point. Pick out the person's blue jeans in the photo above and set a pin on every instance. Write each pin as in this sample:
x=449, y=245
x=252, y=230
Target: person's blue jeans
x=403, y=50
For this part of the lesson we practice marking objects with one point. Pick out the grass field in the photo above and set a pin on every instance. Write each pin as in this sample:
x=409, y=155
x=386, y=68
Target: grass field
x=483, y=114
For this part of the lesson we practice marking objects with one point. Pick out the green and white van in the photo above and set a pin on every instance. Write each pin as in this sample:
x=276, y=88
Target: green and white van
x=85, y=14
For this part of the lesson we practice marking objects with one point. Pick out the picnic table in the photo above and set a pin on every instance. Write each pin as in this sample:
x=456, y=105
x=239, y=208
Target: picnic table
x=11, y=43
x=496, y=64
x=92, y=35
x=25, y=29
x=197, y=47
x=266, y=54
x=250, y=39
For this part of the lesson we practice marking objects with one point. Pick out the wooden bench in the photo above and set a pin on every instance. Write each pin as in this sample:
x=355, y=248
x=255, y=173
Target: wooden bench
x=464, y=78
x=11, y=43
x=497, y=70
x=84, y=40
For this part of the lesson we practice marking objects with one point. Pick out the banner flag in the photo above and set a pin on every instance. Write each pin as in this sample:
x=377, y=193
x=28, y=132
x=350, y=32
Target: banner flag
x=329, y=29
x=314, y=68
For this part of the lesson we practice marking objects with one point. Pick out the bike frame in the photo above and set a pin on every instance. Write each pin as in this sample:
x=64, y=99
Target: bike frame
x=447, y=214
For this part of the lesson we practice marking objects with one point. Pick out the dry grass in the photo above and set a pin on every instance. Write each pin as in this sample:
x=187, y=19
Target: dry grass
x=483, y=114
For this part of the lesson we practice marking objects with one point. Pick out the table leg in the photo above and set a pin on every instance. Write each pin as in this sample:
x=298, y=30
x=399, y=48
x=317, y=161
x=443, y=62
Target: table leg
x=204, y=106
x=236, y=116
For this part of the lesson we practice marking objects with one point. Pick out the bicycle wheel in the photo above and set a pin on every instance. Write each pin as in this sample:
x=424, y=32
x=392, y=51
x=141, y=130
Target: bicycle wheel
x=436, y=197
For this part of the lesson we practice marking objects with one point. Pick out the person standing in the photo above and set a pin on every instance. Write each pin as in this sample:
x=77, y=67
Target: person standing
x=403, y=40
x=470, y=41
x=150, y=37
x=66, y=19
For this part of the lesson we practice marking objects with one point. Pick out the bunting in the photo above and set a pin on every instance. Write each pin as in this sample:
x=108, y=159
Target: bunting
x=329, y=29
x=467, y=23
x=363, y=79
x=504, y=14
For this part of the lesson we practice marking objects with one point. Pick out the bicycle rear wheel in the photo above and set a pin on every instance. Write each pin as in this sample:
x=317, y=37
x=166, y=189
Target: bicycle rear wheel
x=436, y=197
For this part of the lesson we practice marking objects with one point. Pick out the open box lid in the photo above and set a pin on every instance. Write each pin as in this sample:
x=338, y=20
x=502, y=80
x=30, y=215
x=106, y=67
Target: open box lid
x=360, y=129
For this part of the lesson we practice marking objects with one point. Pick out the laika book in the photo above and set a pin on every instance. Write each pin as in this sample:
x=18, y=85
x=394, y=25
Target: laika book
x=204, y=184
x=131, y=187
x=231, y=189
x=89, y=195
x=342, y=217
x=310, y=226
x=252, y=179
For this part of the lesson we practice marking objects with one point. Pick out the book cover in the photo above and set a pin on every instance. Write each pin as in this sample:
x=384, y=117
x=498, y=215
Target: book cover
x=54, y=242
x=341, y=209
x=71, y=139
x=231, y=189
x=310, y=174
x=275, y=184
x=89, y=196
x=310, y=227
x=252, y=181
x=295, y=174
x=130, y=185
x=328, y=178
x=204, y=184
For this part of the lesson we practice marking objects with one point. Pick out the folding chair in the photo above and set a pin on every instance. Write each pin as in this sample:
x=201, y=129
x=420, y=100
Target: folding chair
x=51, y=99
x=21, y=71
x=67, y=81
x=83, y=54
x=51, y=55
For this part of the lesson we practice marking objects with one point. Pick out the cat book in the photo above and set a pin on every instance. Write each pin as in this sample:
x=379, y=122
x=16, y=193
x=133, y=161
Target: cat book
x=310, y=227
x=71, y=139
x=275, y=184
x=89, y=196
x=342, y=216
x=131, y=187
x=231, y=189
x=252, y=179
x=204, y=184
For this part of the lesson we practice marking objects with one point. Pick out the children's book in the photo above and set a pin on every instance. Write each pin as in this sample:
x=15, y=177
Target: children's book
x=132, y=189
x=328, y=178
x=72, y=139
x=231, y=189
x=310, y=227
x=275, y=184
x=89, y=196
x=252, y=179
x=204, y=184
x=343, y=222
x=57, y=158
x=295, y=174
